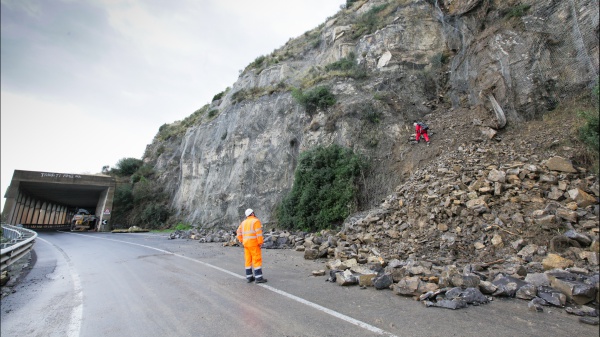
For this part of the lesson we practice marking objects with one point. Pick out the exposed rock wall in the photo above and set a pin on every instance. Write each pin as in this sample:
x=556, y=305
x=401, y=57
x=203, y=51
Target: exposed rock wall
x=428, y=57
x=526, y=62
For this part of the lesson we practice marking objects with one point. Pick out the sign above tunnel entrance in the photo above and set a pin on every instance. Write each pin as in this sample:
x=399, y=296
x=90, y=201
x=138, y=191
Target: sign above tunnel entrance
x=60, y=175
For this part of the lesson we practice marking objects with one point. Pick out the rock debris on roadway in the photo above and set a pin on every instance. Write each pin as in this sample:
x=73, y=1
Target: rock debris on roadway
x=488, y=221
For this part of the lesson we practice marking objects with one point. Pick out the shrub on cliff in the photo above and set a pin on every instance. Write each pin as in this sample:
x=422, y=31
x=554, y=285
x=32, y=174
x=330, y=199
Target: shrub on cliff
x=324, y=190
x=347, y=67
x=589, y=131
x=311, y=100
x=127, y=166
x=139, y=199
x=371, y=20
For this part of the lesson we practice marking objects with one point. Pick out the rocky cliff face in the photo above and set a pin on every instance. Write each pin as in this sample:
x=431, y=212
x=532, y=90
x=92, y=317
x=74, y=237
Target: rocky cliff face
x=502, y=62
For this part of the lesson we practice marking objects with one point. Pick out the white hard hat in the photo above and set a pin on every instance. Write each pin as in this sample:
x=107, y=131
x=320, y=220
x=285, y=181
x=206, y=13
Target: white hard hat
x=249, y=211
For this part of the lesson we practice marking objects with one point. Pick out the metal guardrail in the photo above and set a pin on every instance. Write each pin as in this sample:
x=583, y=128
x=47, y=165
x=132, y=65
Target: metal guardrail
x=19, y=242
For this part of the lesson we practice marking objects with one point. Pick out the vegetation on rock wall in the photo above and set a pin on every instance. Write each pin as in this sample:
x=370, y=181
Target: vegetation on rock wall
x=517, y=11
x=262, y=62
x=347, y=67
x=221, y=94
x=139, y=199
x=588, y=132
x=417, y=83
x=324, y=190
x=313, y=99
x=126, y=166
x=370, y=21
x=178, y=129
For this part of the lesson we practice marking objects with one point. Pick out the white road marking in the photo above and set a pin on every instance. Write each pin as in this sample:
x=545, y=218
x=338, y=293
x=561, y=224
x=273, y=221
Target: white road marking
x=76, y=318
x=333, y=313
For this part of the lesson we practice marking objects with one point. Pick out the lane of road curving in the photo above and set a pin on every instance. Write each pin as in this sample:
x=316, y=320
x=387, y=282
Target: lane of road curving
x=106, y=284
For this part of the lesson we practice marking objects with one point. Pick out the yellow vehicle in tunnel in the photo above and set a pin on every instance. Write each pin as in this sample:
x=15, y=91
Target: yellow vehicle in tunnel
x=83, y=221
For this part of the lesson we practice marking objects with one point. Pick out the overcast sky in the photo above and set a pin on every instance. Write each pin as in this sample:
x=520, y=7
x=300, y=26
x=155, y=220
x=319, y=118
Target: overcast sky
x=86, y=83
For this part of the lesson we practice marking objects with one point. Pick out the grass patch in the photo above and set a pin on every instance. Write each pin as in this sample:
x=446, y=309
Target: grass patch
x=183, y=227
x=371, y=21
x=256, y=92
x=178, y=129
x=347, y=67
x=262, y=62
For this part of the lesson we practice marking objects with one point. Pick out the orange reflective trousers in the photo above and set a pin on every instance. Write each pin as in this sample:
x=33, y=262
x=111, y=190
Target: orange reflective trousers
x=253, y=257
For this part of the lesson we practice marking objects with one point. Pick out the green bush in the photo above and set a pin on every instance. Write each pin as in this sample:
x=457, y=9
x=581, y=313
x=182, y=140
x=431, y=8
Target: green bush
x=262, y=62
x=347, y=66
x=144, y=172
x=193, y=118
x=212, y=113
x=588, y=133
x=345, y=63
x=142, y=201
x=122, y=204
x=154, y=215
x=123, y=198
x=218, y=96
x=324, y=190
x=145, y=190
x=165, y=132
x=127, y=166
x=368, y=112
x=349, y=3
x=258, y=62
x=239, y=96
x=518, y=11
x=368, y=22
x=318, y=97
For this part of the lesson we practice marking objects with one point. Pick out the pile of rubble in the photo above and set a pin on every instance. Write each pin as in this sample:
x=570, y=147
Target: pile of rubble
x=487, y=221
x=484, y=222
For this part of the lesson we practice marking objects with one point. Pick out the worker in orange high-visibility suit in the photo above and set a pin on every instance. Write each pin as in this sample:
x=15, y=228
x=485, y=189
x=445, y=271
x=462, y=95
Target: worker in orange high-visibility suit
x=250, y=234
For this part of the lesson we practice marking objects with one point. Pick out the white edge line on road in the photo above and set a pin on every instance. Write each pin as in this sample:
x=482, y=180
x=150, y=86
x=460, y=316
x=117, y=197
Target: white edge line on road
x=275, y=290
x=76, y=318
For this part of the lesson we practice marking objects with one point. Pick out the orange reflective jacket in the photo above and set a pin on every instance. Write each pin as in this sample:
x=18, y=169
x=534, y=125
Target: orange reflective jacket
x=250, y=232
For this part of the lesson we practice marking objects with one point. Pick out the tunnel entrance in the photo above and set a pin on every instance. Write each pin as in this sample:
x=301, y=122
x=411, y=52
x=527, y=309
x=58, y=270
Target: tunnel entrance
x=47, y=200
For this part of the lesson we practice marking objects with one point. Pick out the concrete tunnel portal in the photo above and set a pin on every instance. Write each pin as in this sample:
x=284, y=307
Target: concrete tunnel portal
x=47, y=200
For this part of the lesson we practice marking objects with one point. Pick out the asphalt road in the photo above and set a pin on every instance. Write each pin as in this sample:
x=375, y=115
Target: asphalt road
x=105, y=284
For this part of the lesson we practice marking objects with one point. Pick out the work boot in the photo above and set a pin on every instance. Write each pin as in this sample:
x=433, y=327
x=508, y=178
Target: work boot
x=250, y=280
x=261, y=280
